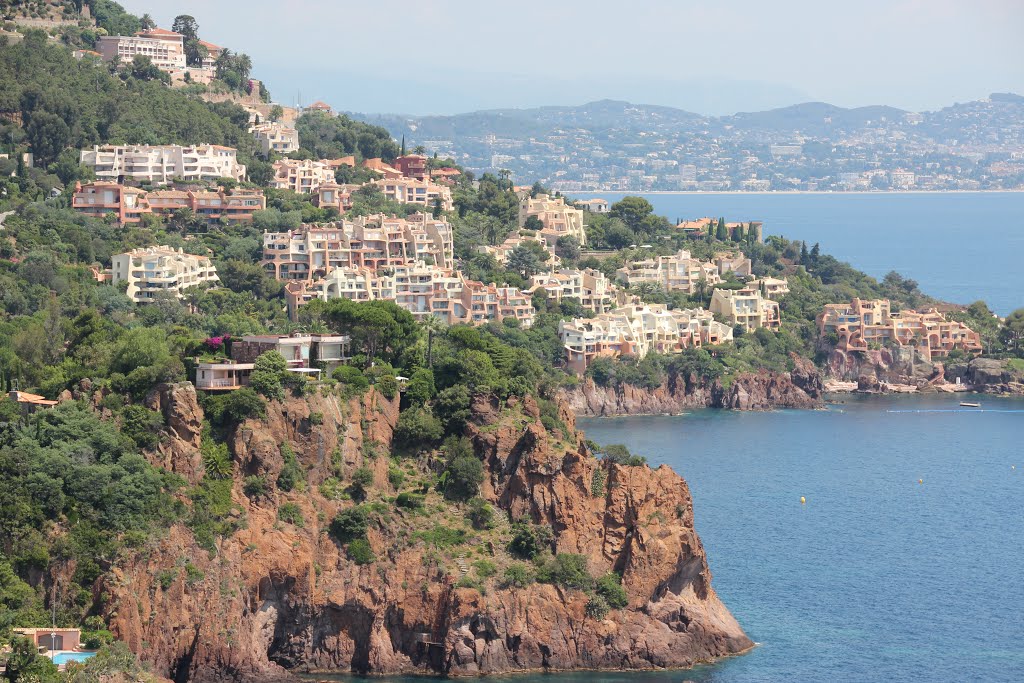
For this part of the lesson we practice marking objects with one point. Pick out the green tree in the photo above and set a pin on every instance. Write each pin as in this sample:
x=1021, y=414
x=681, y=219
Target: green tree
x=721, y=232
x=48, y=135
x=632, y=211
x=267, y=372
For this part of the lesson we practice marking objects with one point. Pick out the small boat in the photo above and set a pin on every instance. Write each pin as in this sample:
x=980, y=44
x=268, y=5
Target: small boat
x=969, y=404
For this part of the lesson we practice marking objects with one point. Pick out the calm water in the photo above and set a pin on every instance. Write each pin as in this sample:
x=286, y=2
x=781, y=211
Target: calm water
x=960, y=247
x=877, y=577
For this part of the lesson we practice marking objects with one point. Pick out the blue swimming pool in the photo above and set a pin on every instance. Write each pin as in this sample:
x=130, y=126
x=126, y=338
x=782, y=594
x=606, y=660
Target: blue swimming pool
x=65, y=657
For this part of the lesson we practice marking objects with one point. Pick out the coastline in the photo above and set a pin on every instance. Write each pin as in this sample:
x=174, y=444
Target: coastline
x=709, y=193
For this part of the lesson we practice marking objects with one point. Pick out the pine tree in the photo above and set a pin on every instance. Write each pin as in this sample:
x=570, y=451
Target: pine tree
x=803, y=253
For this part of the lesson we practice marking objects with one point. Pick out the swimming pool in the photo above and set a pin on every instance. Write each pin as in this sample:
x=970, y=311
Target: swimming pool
x=65, y=657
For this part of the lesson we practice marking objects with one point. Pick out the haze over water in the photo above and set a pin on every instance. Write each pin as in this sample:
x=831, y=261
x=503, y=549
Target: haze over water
x=960, y=247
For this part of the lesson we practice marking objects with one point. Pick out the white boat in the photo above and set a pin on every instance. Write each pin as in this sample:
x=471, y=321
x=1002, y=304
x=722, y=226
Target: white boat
x=969, y=404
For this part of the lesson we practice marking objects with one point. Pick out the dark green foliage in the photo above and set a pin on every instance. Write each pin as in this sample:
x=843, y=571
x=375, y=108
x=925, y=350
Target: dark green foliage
x=360, y=552
x=268, y=373
x=518, y=575
x=213, y=513
x=597, y=607
x=396, y=477
x=442, y=536
x=410, y=501
x=234, y=407
x=292, y=477
x=618, y=454
x=610, y=588
x=331, y=137
x=566, y=569
x=362, y=480
x=481, y=513
x=351, y=377
x=349, y=524
x=141, y=425
x=421, y=388
x=292, y=514
x=597, y=483
x=416, y=430
x=529, y=540
x=463, y=472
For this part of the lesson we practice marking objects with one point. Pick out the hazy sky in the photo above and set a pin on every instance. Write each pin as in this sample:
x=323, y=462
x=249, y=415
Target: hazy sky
x=709, y=56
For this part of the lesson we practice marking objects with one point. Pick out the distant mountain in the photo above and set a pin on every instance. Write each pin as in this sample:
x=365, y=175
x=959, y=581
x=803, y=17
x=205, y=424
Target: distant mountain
x=815, y=118
x=617, y=145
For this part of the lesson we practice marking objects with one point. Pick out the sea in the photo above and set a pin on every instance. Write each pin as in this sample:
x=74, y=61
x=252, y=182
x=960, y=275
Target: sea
x=958, y=246
x=905, y=562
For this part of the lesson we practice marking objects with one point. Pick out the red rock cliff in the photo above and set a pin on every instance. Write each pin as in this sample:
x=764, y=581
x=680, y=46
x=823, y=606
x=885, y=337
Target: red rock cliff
x=763, y=390
x=275, y=597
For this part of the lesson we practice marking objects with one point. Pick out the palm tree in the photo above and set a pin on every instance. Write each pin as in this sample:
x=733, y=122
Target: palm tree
x=432, y=324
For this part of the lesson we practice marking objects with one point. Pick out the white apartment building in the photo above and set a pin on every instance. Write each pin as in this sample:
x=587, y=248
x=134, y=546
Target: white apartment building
x=302, y=177
x=412, y=191
x=421, y=288
x=746, y=307
x=155, y=270
x=771, y=287
x=371, y=242
x=675, y=273
x=166, y=49
x=276, y=137
x=590, y=287
x=558, y=218
x=636, y=330
x=160, y=164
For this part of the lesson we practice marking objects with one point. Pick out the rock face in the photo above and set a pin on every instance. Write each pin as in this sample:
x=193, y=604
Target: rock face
x=901, y=370
x=763, y=390
x=275, y=597
x=990, y=375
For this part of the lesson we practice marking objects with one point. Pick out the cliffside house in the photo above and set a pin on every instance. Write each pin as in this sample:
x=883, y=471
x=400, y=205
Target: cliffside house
x=306, y=354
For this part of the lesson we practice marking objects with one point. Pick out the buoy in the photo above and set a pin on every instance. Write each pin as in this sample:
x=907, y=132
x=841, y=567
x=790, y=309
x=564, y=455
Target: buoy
x=920, y=481
x=1013, y=467
x=802, y=499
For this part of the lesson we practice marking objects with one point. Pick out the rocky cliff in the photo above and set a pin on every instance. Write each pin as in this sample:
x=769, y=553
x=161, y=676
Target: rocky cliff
x=901, y=370
x=762, y=390
x=272, y=597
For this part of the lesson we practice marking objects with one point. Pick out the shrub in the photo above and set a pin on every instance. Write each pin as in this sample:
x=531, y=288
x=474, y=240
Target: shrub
x=597, y=607
x=387, y=385
x=255, y=486
x=411, y=501
x=462, y=478
x=166, y=578
x=517, y=575
x=349, y=524
x=291, y=513
x=360, y=552
x=351, y=377
x=485, y=568
x=420, y=388
x=529, y=540
x=610, y=588
x=620, y=455
x=442, y=536
x=316, y=418
x=481, y=513
x=417, y=429
x=217, y=462
x=396, y=477
x=267, y=372
x=241, y=405
x=292, y=477
x=193, y=574
x=597, y=482
x=362, y=480
x=566, y=569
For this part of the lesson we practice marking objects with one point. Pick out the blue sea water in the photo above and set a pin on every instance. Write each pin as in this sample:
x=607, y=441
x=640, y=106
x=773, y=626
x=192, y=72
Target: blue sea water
x=876, y=577
x=960, y=247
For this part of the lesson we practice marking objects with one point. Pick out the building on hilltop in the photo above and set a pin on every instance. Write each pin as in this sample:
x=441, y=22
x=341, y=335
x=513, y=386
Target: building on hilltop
x=636, y=330
x=596, y=205
x=558, y=218
x=161, y=164
x=589, y=287
x=130, y=204
x=674, y=273
x=305, y=354
x=412, y=166
x=423, y=289
x=746, y=307
x=863, y=324
x=412, y=191
x=153, y=271
x=373, y=242
x=166, y=49
x=302, y=177
x=275, y=137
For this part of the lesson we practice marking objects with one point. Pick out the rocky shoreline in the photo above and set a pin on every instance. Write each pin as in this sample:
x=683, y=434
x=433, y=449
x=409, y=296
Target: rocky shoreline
x=272, y=599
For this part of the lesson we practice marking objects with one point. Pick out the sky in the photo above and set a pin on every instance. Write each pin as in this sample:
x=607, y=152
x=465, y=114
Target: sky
x=708, y=56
